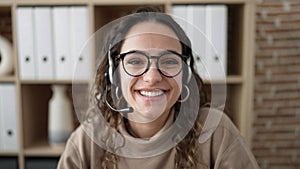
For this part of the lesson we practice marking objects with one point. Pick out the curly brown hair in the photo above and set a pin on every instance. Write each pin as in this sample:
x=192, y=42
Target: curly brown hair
x=186, y=155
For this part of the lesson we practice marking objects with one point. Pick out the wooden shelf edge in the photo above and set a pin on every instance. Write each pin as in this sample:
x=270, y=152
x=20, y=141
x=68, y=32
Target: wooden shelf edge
x=5, y=3
x=46, y=81
x=7, y=79
x=9, y=153
x=53, y=2
x=208, y=1
x=34, y=82
x=231, y=79
x=234, y=79
x=43, y=148
x=127, y=2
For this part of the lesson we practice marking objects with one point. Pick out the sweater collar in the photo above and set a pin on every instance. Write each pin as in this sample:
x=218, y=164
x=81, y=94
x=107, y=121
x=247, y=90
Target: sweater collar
x=127, y=131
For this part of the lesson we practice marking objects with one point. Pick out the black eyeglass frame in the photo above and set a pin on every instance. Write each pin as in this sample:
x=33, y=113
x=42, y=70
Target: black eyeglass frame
x=121, y=56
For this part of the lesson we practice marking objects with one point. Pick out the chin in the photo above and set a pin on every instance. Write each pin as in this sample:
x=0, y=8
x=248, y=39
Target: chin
x=146, y=115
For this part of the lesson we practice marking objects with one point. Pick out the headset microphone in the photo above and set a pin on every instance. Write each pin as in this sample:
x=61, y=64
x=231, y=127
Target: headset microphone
x=124, y=110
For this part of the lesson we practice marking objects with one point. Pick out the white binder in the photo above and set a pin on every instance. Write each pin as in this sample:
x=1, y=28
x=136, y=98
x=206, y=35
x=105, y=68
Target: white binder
x=9, y=128
x=197, y=17
x=43, y=39
x=26, y=43
x=216, y=29
x=61, y=28
x=79, y=35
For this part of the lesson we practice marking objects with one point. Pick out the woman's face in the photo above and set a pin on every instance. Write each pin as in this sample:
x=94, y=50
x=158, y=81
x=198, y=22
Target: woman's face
x=151, y=95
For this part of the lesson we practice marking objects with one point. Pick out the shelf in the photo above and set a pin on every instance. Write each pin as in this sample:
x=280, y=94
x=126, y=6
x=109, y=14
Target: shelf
x=7, y=79
x=127, y=2
x=231, y=79
x=118, y=2
x=5, y=3
x=234, y=79
x=52, y=2
x=44, y=82
x=208, y=1
x=43, y=148
x=8, y=153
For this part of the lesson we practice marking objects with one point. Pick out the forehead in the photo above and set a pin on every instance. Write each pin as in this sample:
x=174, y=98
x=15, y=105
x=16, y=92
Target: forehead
x=147, y=35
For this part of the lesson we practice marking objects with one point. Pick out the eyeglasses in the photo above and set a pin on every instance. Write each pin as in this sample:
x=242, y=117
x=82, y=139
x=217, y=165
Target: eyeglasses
x=135, y=63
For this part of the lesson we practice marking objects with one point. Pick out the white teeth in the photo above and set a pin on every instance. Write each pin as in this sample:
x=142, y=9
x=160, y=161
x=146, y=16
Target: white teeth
x=152, y=93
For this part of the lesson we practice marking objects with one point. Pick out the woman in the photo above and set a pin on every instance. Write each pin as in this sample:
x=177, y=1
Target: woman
x=151, y=109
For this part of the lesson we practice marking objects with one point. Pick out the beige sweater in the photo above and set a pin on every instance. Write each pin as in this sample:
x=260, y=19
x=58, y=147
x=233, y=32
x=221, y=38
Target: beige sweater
x=220, y=146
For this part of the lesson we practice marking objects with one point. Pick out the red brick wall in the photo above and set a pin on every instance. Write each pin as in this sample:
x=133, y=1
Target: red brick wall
x=276, y=141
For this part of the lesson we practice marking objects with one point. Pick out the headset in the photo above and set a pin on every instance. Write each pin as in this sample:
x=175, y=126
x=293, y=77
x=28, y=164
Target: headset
x=111, y=66
x=109, y=76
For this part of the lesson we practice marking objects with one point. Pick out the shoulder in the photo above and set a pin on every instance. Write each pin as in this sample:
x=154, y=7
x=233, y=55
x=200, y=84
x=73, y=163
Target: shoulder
x=82, y=139
x=222, y=140
x=79, y=137
x=215, y=123
x=80, y=150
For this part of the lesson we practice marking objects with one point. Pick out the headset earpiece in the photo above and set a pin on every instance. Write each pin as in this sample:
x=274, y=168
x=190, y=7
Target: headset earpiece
x=110, y=66
x=187, y=51
x=189, y=70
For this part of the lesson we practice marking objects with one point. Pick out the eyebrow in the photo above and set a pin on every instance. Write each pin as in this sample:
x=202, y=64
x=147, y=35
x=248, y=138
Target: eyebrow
x=148, y=52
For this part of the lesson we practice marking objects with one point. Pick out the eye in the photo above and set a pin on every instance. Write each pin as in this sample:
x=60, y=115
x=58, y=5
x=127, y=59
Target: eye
x=135, y=60
x=169, y=60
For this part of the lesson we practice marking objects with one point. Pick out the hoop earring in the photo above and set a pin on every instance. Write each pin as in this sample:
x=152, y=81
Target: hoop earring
x=118, y=94
x=187, y=95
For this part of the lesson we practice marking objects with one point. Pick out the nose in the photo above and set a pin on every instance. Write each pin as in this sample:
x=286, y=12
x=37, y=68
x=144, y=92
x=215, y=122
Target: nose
x=152, y=75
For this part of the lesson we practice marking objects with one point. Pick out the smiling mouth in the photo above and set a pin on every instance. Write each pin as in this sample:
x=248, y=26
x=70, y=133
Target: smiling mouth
x=153, y=93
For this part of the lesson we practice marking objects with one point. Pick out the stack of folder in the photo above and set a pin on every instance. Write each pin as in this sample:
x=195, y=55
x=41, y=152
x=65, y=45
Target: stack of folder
x=206, y=26
x=50, y=42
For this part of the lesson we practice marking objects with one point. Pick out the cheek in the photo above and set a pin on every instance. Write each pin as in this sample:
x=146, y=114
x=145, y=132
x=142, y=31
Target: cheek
x=176, y=83
x=125, y=82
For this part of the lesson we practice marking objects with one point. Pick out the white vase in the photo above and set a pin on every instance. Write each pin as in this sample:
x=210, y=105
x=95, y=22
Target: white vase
x=6, y=58
x=60, y=118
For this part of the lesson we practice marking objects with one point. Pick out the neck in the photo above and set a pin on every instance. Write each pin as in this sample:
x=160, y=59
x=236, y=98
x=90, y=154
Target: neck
x=147, y=130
